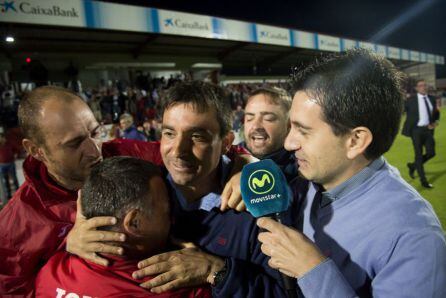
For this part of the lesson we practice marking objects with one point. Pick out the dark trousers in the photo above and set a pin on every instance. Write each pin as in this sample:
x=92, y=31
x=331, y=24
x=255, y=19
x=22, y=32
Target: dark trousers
x=422, y=137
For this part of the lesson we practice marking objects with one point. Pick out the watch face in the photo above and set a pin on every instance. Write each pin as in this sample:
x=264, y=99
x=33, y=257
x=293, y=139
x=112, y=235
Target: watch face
x=219, y=276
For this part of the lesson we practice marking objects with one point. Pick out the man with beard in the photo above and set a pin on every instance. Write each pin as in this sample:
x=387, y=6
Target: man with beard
x=266, y=126
x=62, y=138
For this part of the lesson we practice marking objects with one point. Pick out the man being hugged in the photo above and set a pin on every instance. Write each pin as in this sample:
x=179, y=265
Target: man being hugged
x=133, y=191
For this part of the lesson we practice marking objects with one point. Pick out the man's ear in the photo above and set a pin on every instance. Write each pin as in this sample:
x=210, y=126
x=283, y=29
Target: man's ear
x=133, y=222
x=33, y=149
x=358, y=141
x=227, y=142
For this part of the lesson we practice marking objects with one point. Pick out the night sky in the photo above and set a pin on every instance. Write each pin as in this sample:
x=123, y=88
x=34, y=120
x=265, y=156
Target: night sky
x=417, y=25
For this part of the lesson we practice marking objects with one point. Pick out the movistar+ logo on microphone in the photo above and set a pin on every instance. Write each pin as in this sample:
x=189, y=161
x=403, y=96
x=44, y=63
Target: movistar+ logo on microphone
x=261, y=182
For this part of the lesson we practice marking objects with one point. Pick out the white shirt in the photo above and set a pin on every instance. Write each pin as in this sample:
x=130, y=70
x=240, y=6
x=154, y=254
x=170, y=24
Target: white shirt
x=422, y=113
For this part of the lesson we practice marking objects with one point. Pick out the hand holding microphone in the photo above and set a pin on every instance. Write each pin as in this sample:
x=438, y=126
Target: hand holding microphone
x=266, y=193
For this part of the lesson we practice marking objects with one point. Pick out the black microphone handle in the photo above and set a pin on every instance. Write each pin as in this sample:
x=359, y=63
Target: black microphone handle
x=289, y=282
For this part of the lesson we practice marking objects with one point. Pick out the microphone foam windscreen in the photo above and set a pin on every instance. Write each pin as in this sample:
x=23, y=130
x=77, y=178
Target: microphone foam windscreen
x=264, y=188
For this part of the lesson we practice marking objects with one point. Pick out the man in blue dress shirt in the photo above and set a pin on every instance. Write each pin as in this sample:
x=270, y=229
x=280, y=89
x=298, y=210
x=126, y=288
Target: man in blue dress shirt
x=363, y=230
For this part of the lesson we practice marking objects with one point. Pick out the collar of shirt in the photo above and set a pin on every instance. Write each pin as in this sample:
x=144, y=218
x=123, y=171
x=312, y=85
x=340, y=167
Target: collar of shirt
x=49, y=192
x=421, y=97
x=345, y=187
x=212, y=199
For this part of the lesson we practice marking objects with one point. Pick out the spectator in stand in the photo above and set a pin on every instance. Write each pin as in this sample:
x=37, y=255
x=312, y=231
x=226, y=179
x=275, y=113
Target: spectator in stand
x=133, y=191
x=95, y=106
x=238, y=118
x=129, y=130
x=116, y=110
x=131, y=103
x=140, y=105
x=7, y=167
x=152, y=130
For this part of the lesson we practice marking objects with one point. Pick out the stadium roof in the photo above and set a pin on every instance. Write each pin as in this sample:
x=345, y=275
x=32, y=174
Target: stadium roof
x=100, y=29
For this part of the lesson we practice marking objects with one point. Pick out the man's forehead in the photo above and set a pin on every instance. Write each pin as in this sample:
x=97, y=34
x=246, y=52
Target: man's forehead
x=262, y=99
x=63, y=120
x=305, y=108
x=305, y=99
x=70, y=110
x=190, y=111
x=262, y=103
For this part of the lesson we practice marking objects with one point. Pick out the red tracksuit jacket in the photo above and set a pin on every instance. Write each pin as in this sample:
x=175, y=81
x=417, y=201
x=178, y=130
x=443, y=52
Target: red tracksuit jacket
x=34, y=223
x=66, y=274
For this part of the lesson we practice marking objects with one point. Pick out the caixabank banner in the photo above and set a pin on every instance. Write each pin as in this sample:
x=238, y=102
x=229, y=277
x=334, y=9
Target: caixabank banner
x=46, y=12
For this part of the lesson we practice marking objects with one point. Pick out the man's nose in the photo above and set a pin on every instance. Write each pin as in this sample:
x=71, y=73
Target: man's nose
x=292, y=142
x=181, y=146
x=93, y=147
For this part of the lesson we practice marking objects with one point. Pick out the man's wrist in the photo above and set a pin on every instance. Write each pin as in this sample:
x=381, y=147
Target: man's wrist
x=311, y=269
x=218, y=271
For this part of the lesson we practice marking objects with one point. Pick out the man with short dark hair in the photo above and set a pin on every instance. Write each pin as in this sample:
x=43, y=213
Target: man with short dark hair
x=422, y=116
x=365, y=231
x=266, y=125
x=133, y=191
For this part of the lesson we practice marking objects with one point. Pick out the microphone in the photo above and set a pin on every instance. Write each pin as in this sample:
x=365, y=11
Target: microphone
x=265, y=192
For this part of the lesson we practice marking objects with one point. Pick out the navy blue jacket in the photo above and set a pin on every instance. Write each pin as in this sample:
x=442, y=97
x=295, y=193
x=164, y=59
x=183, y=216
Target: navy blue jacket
x=233, y=235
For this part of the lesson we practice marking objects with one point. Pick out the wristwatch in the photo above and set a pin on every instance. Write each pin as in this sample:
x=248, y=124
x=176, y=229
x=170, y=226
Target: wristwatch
x=220, y=275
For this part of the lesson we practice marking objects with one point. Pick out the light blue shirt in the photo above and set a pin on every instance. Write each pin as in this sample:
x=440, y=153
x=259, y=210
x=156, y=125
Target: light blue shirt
x=382, y=239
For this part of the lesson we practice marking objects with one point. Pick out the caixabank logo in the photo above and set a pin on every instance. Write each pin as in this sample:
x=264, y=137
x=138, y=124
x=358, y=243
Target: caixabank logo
x=7, y=6
x=179, y=23
x=29, y=8
x=261, y=182
x=329, y=43
x=271, y=35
